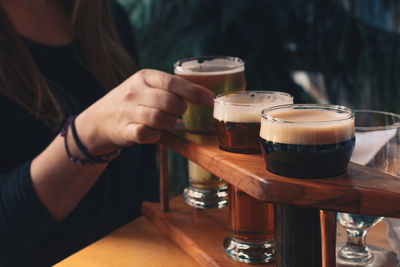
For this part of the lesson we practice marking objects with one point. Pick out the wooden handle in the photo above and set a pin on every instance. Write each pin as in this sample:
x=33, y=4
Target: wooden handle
x=328, y=238
x=360, y=190
x=164, y=192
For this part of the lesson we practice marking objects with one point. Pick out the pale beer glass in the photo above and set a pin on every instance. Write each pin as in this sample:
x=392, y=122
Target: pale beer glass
x=377, y=147
x=237, y=116
x=219, y=74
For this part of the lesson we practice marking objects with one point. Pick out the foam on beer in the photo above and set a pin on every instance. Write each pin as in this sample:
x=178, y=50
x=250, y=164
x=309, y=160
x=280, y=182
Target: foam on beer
x=247, y=107
x=216, y=66
x=307, y=127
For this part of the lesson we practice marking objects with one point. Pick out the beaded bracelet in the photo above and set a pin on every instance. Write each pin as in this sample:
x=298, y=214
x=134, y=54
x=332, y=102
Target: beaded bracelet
x=89, y=159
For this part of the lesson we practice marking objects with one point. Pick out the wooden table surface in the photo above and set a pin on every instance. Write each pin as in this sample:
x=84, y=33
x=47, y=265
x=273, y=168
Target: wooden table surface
x=140, y=243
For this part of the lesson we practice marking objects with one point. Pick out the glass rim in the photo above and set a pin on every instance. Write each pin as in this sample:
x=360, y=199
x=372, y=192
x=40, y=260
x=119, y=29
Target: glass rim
x=248, y=92
x=238, y=60
x=349, y=111
x=377, y=128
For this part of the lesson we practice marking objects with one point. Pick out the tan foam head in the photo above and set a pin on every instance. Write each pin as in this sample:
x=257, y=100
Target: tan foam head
x=307, y=127
x=247, y=106
x=217, y=66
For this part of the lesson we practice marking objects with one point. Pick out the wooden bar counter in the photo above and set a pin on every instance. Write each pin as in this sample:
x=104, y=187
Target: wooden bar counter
x=142, y=244
x=139, y=243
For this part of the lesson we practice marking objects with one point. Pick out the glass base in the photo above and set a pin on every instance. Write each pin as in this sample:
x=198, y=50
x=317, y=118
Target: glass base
x=380, y=258
x=206, y=198
x=249, y=252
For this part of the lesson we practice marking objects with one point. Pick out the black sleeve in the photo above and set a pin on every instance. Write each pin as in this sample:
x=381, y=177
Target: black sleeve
x=23, y=217
x=149, y=175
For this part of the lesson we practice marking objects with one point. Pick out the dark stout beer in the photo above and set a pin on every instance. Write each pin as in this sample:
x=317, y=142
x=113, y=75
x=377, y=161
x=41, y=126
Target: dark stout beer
x=307, y=143
x=237, y=117
x=307, y=161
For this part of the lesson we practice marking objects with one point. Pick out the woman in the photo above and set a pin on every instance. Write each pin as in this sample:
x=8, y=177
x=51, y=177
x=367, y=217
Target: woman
x=60, y=192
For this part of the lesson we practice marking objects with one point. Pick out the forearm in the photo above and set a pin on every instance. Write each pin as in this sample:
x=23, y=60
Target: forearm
x=59, y=183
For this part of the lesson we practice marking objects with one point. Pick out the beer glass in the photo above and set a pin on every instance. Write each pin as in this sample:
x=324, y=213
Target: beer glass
x=304, y=141
x=237, y=116
x=377, y=147
x=205, y=190
x=307, y=140
x=219, y=74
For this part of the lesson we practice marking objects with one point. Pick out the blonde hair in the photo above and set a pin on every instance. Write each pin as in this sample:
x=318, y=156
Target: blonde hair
x=103, y=55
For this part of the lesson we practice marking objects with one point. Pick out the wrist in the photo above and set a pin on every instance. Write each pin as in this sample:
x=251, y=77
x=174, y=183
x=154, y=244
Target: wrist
x=92, y=137
x=69, y=133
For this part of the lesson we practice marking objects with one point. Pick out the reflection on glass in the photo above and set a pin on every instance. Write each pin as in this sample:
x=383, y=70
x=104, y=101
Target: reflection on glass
x=377, y=147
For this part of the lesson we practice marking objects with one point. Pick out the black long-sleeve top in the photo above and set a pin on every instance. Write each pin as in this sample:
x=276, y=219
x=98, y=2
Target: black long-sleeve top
x=29, y=236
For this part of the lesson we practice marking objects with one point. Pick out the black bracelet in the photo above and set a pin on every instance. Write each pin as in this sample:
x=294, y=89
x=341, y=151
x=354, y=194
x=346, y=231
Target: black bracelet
x=89, y=159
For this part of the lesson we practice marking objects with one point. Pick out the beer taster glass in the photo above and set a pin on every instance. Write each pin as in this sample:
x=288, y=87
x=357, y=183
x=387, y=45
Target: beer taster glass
x=205, y=190
x=378, y=147
x=237, y=116
x=304, y=141
x=219, y=74
x=307, y=140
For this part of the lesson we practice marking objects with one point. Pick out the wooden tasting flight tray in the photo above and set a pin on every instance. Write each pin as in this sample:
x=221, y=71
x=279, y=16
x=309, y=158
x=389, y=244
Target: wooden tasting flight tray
x=200, y=233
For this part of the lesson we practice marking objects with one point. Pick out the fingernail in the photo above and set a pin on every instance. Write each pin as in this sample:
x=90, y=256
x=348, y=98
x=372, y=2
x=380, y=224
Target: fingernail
x=208, y=100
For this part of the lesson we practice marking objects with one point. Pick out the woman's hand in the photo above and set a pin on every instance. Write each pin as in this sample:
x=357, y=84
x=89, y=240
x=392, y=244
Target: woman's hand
x=133, y=112
x=136, y=110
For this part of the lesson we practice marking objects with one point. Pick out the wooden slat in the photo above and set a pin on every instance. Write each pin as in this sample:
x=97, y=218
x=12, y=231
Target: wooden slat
x=199, y=233
x=360, y=190
x=164, y=190
x=328, y=238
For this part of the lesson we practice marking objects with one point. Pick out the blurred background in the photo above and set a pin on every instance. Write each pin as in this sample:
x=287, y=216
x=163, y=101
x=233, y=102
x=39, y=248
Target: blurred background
x=343, y=52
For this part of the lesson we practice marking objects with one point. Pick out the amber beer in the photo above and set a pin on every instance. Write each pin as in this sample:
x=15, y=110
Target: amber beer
x=219, y=74
x=250, y=219
x=304, y=141
x=251, y=223
x=237, y=116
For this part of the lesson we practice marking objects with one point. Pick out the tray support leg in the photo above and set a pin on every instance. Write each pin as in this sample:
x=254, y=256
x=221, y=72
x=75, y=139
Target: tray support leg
x=164, y=191
x=328, y=238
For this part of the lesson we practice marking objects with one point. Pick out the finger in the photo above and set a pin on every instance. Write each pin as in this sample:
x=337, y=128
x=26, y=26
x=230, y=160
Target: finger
x=163, y=100
x=153, y=118
x=189, y=91
x=141, y=134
